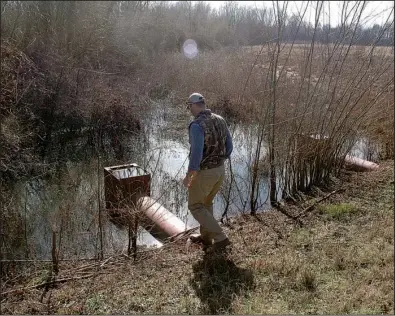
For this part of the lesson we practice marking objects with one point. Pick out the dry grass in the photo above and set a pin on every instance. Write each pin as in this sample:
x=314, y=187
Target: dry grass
x=333, y=264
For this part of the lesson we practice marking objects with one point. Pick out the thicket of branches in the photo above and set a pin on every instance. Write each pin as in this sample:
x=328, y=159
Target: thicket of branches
x=86, y=70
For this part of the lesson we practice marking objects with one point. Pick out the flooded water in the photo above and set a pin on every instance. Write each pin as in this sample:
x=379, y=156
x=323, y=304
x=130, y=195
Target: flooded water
x=170, y=156
x=70, y=205
x=366, y=149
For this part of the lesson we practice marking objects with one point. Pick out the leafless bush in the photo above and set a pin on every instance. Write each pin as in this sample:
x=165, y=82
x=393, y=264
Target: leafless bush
x=84, y=73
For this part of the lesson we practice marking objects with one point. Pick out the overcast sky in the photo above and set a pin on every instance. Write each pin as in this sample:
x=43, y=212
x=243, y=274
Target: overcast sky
x=375, y=12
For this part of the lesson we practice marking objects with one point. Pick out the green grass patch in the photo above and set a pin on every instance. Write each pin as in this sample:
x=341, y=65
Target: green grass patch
x=337, y=211
x=96, y=304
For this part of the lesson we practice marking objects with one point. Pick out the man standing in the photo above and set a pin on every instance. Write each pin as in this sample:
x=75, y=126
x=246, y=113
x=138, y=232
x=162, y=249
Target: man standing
x=211, y=144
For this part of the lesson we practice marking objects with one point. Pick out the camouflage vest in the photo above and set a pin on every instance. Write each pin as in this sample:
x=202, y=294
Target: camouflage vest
x=214, y=128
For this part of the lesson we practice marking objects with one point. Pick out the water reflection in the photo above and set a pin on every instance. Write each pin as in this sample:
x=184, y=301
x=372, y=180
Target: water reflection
x=70, y=203
x=169, y=165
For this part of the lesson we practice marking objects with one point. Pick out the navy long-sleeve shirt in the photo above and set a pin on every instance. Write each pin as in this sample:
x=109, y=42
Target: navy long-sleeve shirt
x=196, y=139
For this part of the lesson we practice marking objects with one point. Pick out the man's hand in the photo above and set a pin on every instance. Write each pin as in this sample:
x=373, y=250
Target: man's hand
x=187, y=182
x=189, y=178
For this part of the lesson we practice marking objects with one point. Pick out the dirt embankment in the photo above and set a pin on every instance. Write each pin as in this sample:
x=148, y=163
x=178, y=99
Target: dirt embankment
x=339, y=260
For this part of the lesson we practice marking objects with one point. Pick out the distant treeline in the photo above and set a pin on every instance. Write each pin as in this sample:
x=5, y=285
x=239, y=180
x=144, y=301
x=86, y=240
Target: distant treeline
x=151, y=27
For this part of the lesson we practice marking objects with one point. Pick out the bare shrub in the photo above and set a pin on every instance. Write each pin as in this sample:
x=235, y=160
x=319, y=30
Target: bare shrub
x=77, y=77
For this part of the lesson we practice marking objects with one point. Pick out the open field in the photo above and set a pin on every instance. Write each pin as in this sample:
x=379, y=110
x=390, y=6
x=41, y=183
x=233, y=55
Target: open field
x=380, y=50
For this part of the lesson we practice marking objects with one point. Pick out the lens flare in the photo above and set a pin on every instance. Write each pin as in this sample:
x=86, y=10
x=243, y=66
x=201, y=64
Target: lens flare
x=190, y=49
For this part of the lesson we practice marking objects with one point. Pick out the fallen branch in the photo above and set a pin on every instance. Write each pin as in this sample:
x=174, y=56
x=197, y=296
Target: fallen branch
x=181, y=235
x=47, y=283
x=309, y=208
x=84, y=267
x=47, y=260
x=102, y=265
